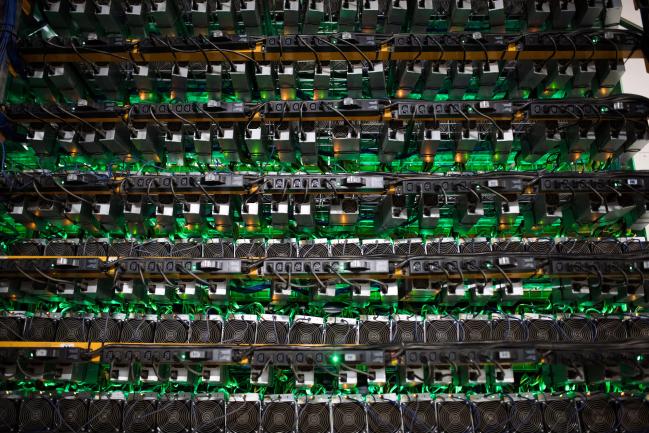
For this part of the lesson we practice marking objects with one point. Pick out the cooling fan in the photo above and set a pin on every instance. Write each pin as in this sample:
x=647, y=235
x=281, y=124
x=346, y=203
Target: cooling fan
x=442, y=247
x=541, y=246
x=408, y=331
x=419, y=417
x=242, y=417
x=509, y=330
x=72, y=329
x=137, y=331
x=541, y=330
x=10, y=329
x=192, y=250
x=598, y=416
x=410, y=248
x=205, y=331
x=9, y=414
x=173, y=417
x=60, y=248
x=633, y=416
x=170, y=331
x=122, y=249
x=314, y=250
x=454, y=417
x=383, y=417
x=374, y=332
x=40, y=329
x=26, y=249
x=73, y=414
x=105, y=416
x=342, y=249
x=348, y=418
x=574, y=246
x=93, y=248
x=314, y=418
x=526, y=416
x=271, y=332
x=610, y=330
x=442, y=331
x=278, y=417
x=578, y=330
x=491, y=417
x=104, y=329
x=474, y=246
x=476, y=330
x=139, y=416
x=639, y=328
x=208, y=416
x=378, y=249
x=154, y=249
x=281, y=249
x=222, y=249
x=239, y=332
x=303, y=332
x=340, y=333
x=560, y=416
x=36, y=414
x=250, y=249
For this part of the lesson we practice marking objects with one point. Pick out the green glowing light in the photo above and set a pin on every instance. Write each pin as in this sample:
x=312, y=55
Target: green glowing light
x=335, y=358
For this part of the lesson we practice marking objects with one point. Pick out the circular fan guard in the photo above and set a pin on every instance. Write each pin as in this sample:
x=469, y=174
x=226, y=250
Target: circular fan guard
x=26, y=249
x=137, y=331
x=40, y=329
x=283, y=249
x=526, y=417
x=383, y=417
x=8, y=413
x=72, y=329
x=378, y=249
x=104, y=416
x=610, y=330
x=104, y=329
x=242, y=417
x=441, y=331
x=305, y=333
x=207, y=417
x=314, y=250
x=578, y=330
x=203, y=332
x=187, y=249
x=419, y=417
x=92, y=248
x=9, y=329
x=510, y=330
x=374, y=332
x=410, y=249
x=173, y=417
x=542, y=330
x=250, y=249
x=598, y=416
x=348, y=418
x=73, y=414
x=60, y=249
x=36, y=415
x=271, y=332
x=239, y=332
x=345, y=249
x=139, y=417
x=454, y=417
x=639, y=328
x=221, y=249
x=634, y=416
x=154, y=249
x=122, y=249
x=476, y=330
x=170, y=331
x=491, y=417
x=408, y=332
x=314, y=418
x=560, y=416
x=278, y=417
x=340, y=333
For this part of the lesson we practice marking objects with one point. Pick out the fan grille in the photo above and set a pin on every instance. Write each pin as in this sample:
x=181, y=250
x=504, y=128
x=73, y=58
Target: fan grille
x=36, y=415
x=26, y=249
x=540, y=246
x=441, y=331
x=476, y=330
x=73, y=414
x=491, y=417
x=579, y=330
x=407, y=331
x=202, y=331
x=374, y=332
x=314, y=250
x=526, y=417
x=93, y=248
x=222, y=249
x=208, y=417
x=154, y=249
x=40, y=329
x=340, y=333
x=348, y=418
x=345, y=249
x=139, y=417
x=442, y=247
x=239, y=332
x=419, y=417
x=598, y=416
x=475, y=247
x=104, y=329
x=60, y=249
x=378, y=249
x=242, y=417
x=8, y=413
x=173, y=417
x=122, y=249
x=639, y=328
x=610, y=330
x=72, y=329
x=104, y=416
x=634, y=416
x=383, y=417
x=137, y=331
x=454, y=417
x=9, y=329
x=250, y=249
x=410, y=249
x=170, y=331
x=509, y=246
x=542, y=330
x=187, y=249
x=271, y=332
x=282, y=249
x=509, y=330
x=575, y=246
x=278, y=417
x=305, y=333
x=314, y=418
x=560, y=416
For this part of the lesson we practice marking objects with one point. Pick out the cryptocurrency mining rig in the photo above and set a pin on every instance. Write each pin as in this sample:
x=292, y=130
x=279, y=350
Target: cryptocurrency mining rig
x=323, y=216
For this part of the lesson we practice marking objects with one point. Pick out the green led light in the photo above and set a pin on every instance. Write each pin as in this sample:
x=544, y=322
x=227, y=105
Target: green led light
x=334, y=359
